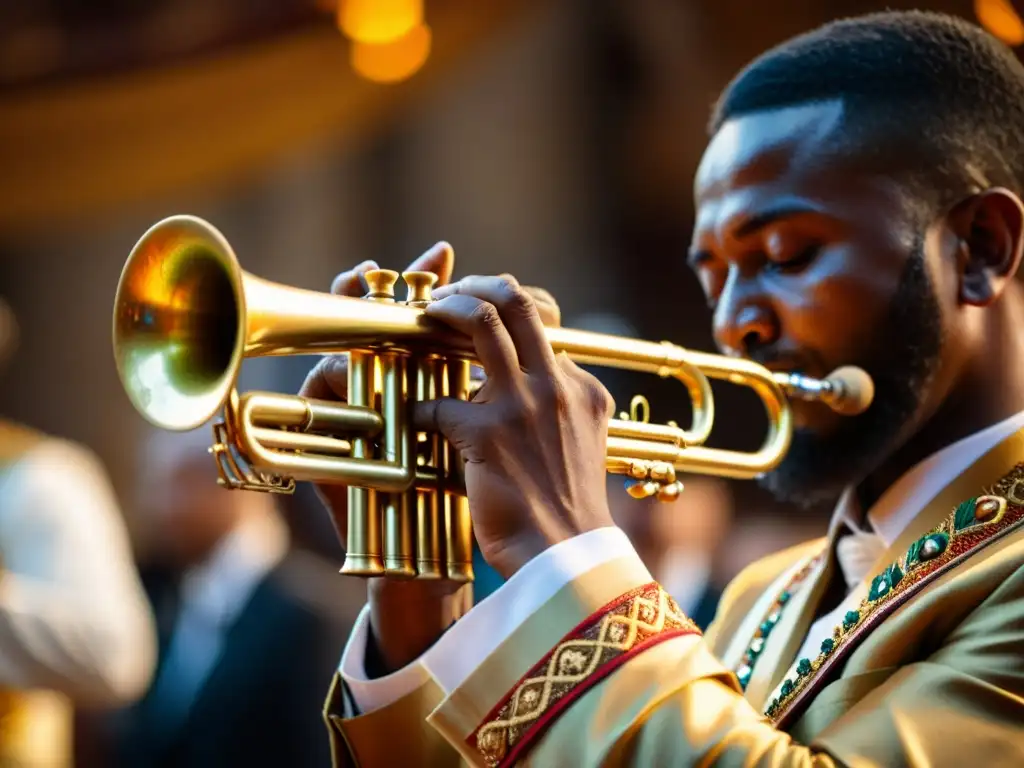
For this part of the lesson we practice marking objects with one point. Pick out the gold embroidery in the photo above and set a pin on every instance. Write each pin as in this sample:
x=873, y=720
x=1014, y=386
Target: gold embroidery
x=626, y=626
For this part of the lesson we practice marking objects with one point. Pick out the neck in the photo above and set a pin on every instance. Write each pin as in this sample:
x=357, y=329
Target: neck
x=990, y=390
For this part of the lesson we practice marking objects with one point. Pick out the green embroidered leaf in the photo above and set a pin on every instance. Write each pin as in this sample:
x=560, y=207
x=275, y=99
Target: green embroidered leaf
x=885, y=581
x=895, y=574
x=850, y=619
x=914, y=551
x=964, y=515
x=803, y=667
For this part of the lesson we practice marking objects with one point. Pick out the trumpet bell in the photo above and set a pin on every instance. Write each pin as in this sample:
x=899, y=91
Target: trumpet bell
x=179, y=325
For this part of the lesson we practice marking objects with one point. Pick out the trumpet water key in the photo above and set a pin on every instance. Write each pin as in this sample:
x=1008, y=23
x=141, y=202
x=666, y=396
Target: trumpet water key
x=186, y=316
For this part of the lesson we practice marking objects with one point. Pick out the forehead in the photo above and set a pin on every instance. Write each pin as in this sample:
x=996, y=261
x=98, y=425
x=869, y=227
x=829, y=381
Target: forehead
x=762, y=145
x=774, y=153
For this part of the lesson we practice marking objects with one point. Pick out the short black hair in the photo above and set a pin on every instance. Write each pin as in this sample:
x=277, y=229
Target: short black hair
x=935, y=98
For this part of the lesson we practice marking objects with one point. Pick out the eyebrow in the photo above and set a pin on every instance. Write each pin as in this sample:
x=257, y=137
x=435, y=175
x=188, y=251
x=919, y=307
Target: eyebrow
x=756, y=223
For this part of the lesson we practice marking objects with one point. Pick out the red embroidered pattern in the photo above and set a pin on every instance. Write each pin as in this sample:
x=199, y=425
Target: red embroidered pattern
x=628, y=625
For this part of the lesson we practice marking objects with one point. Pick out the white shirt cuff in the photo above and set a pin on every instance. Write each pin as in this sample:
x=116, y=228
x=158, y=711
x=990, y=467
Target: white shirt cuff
x=492, y=621
x=368, y=694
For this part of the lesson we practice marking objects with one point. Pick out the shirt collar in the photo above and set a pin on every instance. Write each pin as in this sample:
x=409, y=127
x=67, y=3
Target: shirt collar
x=904, y=499
x=220, y=587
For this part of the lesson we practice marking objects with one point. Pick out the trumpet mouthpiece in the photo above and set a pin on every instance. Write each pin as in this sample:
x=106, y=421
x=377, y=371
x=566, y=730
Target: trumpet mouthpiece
x=850, y=390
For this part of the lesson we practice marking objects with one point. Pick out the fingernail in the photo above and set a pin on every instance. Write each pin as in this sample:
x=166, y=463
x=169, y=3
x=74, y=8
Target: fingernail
x=367, y=265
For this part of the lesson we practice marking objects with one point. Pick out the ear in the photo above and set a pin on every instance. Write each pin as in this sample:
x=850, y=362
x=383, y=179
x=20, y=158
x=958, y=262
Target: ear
x=990, y=229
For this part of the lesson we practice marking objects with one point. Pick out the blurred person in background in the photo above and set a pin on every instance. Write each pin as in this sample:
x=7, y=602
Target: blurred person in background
x=680, y=541
x=76, y=630
x=249, y=627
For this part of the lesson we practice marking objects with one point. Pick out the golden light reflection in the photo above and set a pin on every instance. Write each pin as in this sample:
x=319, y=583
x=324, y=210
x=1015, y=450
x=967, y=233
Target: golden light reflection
x=1000, y=19
x=395, y=61
x=378, y=22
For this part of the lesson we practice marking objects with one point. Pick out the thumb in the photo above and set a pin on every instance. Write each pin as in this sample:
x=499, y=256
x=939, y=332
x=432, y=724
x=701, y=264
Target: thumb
x=447, y=416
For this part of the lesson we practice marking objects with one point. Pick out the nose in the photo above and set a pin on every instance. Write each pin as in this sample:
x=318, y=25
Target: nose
x=744, y=319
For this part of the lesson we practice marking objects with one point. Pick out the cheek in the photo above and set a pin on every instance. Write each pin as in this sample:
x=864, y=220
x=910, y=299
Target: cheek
x=835, y=307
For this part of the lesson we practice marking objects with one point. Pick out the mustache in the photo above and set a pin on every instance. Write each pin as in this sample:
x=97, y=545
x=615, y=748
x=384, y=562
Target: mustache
x=778, y=359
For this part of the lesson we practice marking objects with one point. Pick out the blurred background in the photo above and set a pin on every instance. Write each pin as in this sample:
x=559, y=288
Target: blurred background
x=553, y=139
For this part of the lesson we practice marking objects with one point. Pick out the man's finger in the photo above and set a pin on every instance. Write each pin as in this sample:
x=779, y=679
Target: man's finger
x=446, y=415
x=350, y=283
x=440, y=260
x=328, y=380
x=481, y=322
x=518, y=313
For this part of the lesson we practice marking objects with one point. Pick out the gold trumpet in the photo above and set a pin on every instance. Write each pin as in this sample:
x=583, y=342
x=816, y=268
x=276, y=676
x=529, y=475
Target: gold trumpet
x=186, y=316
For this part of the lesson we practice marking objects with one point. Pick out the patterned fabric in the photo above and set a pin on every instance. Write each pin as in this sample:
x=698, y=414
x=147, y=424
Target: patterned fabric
x=628, y=625
x=746, y=666
x=972, y=525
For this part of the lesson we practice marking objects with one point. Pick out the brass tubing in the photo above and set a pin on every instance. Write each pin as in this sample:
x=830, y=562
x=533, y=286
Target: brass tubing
x=661, y=433
x=363, y=544
x=398, y=446
x=391, y=474
x=279, y=410
x=429, y=541
x=458, y=522
x=301, y=441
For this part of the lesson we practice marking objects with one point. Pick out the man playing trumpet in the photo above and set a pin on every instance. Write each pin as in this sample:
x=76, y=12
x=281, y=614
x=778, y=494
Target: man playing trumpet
x=859, y=202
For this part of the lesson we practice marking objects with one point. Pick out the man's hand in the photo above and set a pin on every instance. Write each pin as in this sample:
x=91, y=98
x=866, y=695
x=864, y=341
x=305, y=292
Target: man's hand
x=533, y=437
x=406, y=617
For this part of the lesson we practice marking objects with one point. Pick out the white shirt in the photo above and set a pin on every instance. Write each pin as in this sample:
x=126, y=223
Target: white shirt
x=75, y=624
x=73, y=614
x=477, y=634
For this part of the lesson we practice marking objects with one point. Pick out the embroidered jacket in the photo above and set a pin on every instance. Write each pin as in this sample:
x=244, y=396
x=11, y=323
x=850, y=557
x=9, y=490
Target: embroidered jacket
x=928, y=670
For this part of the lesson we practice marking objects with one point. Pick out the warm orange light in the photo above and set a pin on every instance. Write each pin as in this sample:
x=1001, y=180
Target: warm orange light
x=379, y=21
x=999, y=18
x=395, y=61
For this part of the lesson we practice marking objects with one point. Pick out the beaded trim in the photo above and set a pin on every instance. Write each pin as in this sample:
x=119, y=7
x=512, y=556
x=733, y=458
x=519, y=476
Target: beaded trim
x=608, y=638
x=968, y=528
x=745, y=668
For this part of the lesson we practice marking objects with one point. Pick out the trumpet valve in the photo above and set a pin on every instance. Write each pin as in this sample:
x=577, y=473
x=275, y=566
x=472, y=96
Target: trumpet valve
x=381, y=283
x=420, y=286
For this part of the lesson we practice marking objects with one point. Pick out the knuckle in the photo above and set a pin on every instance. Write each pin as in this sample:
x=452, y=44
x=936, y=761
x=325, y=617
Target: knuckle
x=485, y=315
x=508, y=279
x=515, y=298
x=598, y=398
x=551, y=393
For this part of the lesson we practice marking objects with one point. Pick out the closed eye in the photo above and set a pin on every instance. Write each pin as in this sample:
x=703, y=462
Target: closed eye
x=797, y=263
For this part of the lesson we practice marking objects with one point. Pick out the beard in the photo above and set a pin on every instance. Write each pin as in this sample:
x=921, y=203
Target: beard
x=817, y=469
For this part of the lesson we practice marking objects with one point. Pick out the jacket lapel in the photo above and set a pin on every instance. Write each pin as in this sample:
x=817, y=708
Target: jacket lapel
x=980, y=505
x=785, y=624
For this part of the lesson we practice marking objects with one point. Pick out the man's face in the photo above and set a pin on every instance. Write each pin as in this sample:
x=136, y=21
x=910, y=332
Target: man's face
x=809, y=264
